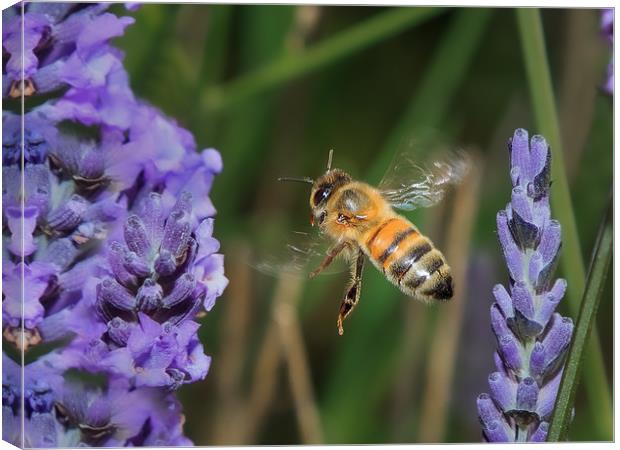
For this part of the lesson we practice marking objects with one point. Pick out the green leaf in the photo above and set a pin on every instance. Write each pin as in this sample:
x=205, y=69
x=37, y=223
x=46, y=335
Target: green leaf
x=543, y=102
x=283, y=70
x=599, y=268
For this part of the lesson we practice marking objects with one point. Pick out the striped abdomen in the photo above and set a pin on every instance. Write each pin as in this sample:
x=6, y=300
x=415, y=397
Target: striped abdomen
x=409, y=260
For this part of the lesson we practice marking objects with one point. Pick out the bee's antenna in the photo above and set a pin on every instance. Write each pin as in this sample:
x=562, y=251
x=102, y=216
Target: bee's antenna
x=297, y=179
x=329, y=159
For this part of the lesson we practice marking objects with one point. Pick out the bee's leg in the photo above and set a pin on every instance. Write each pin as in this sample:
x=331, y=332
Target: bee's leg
x=331, y=254
x=352, y=295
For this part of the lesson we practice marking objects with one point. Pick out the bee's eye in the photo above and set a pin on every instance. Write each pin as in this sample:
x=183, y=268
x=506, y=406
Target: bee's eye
x=321, y=194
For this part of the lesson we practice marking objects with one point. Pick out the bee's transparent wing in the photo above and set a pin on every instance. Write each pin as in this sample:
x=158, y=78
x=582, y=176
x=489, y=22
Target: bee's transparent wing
x=418, y=179
x=298, y=254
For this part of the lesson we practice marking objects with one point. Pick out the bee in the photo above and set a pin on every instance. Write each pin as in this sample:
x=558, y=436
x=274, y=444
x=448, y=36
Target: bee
x=360, y=221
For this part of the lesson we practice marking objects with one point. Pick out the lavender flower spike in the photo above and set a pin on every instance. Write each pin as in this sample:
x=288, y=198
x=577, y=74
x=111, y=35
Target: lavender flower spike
x=108, y=249
x=532, y=339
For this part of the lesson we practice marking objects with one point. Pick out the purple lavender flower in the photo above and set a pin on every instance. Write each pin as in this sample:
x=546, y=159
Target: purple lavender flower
x=111, y=236
x=68, y=411
x=607, y=30
x=532, y=339
x=65, y=44
x=135, y=319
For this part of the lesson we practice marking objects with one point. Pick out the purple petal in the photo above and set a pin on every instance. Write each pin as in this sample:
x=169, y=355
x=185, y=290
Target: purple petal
x=558, y=337
x=183, y=287
x=497, y=432
x=116, y=295
x=176, y=233
x=550, y=241
x=550, y=302
x=487, y=410
x=537, y=360
x=547, y=396
x=522, y=299
x=153, y=218
x=165, y=264
x=136, y=237
x=527, y=394
x=540, y=435
x=511, y=352
x=503, y=391
x=520, y=154
x=149, y=296
x=503, y=300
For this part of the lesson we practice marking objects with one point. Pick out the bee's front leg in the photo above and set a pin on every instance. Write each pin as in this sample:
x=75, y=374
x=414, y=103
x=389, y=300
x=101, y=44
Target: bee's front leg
x=352, y=295
x=331, y=254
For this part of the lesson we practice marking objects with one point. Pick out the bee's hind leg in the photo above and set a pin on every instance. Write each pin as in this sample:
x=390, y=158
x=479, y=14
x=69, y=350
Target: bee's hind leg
x=331, y=254
x=352, y=295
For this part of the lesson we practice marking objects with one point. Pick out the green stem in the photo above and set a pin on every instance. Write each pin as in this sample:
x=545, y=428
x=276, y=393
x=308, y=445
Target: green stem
x=359, y=37
x=542, y=97
x=591, y=299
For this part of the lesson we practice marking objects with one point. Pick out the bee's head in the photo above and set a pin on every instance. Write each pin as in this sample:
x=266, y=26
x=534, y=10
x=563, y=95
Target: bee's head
x=322, y=188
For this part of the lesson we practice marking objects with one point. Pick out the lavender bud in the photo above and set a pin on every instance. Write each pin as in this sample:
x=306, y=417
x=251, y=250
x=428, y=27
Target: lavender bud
x=92, y=163
x=153, y=217
x=537, y=360
x=519, y=150
x=511, y=251
x=550, y=301
x=550, y=241
x=503, y=300
x=149, y=296
x=547, y=396
x=135, y=236
x=498, y=321
x=68, y=215
x=540, y=154
x=188, y=312
x=496, y=432
x=542, y=180
x=487, y=410
x=503, y=391
x=527, y=395
x=176, y=233
x=165, y=263
x=119, y=331
x=558, y=338
x=136, y=265
x=183, y=287
x=522, y=299
x=116, y=259
x=109, y=291
x=520, y=203
x=510, y=352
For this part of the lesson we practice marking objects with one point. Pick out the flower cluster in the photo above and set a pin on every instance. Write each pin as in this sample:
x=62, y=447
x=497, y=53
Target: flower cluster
x=108, y=249
x=607, y=30
x=532, y=338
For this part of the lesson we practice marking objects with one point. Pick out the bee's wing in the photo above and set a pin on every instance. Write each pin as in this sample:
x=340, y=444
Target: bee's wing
x=298, y=254
x=418, y=179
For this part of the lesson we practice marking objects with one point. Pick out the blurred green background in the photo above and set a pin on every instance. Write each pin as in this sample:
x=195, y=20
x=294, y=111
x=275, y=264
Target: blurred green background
x=273, y=88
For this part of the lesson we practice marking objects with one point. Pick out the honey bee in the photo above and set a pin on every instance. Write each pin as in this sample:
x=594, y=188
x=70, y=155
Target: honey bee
x=360, y=222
